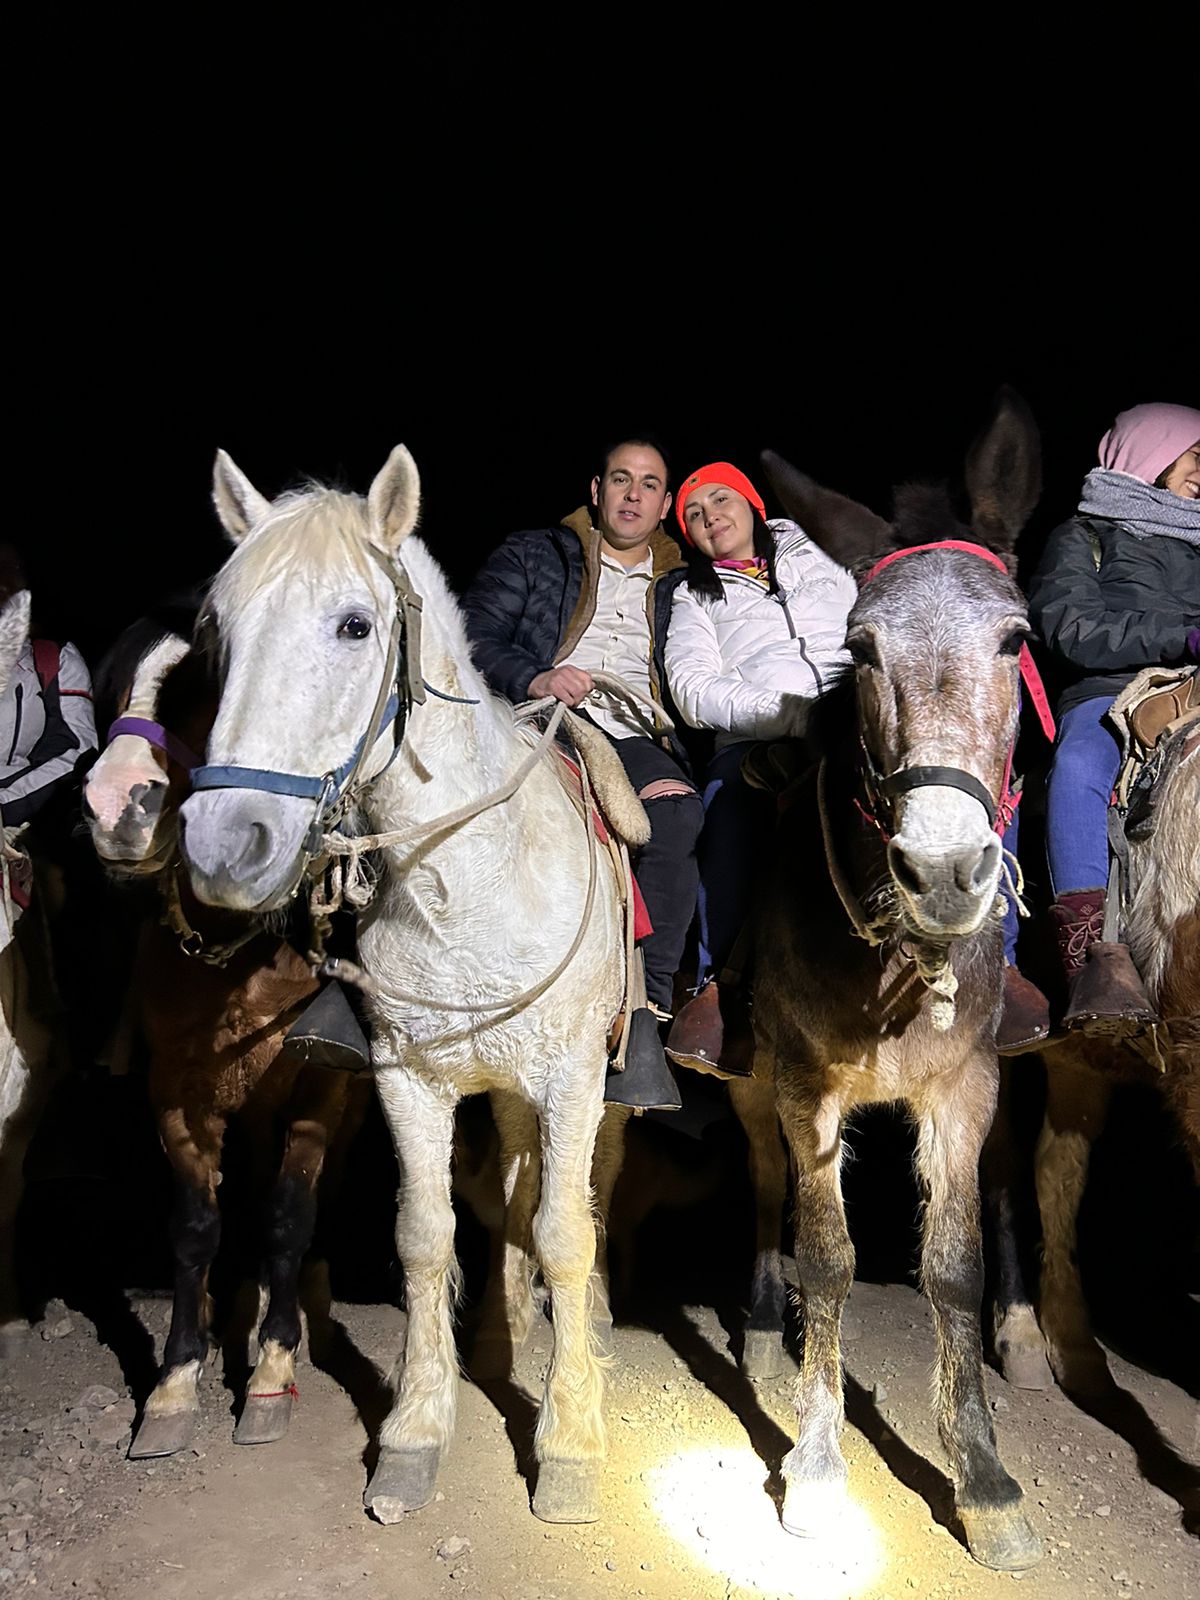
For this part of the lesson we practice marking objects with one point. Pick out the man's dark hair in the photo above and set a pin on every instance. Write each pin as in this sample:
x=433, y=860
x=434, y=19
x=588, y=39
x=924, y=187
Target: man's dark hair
x=702, y=576
x=647, y=439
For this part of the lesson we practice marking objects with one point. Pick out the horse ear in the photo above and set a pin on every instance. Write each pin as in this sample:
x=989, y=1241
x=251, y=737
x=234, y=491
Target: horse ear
x=239, y=504
x=14, y=630
x=845, y=530
x=394, y=503
x=1004, y=471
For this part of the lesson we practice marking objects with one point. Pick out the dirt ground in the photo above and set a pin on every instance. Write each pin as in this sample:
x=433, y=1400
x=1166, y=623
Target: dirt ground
x=690, y=1504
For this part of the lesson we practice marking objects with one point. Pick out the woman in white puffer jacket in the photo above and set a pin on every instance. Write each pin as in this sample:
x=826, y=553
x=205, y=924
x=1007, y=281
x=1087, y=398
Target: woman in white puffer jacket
x=757, y=631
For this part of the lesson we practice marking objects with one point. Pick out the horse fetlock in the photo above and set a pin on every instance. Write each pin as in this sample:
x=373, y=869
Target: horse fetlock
x=276, y=1369
x=176, y=1391
x=422, y=1419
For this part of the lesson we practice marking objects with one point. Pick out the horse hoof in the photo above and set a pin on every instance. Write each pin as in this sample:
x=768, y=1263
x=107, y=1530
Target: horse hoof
x=811, y=1509
x=1026, y=1368
x=163, y=1435
x=1001, y=1539
x=762, y=1354
x=264, y=1418
x=403, y=1480
x=567, y=1491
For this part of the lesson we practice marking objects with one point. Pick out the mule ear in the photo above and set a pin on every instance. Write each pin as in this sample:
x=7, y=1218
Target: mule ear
x=394, y=503
x=14, y=630
x=1004, y=472
x=845, y=530
x=239, y=504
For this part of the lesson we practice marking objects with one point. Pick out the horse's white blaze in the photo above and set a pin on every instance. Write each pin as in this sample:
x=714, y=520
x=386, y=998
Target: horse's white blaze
x=126, y=771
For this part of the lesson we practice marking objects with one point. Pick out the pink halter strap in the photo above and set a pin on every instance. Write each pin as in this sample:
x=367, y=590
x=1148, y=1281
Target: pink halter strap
x=1030, y=675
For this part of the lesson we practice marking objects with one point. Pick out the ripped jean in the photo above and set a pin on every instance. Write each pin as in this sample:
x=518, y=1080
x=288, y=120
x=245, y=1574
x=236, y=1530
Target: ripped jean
x=665, y=866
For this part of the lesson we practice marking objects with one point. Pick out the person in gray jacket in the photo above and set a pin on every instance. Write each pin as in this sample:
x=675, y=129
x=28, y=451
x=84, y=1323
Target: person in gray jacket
x=758, y=629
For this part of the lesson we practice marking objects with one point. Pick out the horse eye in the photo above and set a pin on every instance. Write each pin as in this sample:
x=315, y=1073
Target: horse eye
x=1012, y=645
x=354, y=626
x=862, y=651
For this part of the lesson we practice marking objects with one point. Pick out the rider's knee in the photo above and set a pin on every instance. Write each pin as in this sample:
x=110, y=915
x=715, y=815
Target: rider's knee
x=673, y=807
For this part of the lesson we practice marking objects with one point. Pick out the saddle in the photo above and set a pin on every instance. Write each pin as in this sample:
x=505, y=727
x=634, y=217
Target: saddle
x=1158, y=717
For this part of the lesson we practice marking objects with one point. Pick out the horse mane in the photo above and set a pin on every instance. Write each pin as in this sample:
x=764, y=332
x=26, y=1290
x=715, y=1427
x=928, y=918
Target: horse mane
x=118, y=666
x=320, y=531
x=313, y=525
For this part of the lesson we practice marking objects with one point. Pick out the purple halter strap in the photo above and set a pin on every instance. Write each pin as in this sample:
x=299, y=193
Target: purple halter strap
x=157, y=735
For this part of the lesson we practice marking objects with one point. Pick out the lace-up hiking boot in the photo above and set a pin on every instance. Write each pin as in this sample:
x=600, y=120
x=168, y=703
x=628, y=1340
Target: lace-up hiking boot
x=1105, y=995
x=1025, y=1019
x=712, y=1034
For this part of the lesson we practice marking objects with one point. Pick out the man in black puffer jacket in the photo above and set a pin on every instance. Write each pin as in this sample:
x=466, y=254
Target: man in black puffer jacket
x=550, y=607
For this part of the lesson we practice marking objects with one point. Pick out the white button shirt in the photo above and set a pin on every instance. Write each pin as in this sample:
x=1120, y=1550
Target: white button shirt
x=617, y=640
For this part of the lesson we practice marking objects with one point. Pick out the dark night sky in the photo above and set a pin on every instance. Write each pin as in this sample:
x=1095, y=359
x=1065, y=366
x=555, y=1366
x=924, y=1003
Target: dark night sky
x=304, y=247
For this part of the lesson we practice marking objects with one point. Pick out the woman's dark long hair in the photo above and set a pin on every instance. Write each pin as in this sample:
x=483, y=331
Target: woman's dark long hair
x=702, y=577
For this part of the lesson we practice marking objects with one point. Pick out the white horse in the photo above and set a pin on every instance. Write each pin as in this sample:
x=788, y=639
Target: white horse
x=25, y=1040
x=470, y=918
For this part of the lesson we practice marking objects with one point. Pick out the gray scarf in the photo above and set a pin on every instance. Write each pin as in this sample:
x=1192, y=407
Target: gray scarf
x=1139, y=507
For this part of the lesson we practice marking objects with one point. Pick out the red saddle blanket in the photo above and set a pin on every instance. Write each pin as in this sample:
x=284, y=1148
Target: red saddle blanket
x=642, y=926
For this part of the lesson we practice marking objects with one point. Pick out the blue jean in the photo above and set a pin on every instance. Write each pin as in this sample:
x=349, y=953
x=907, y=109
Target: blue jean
x=738, y=827
x=1086, y=760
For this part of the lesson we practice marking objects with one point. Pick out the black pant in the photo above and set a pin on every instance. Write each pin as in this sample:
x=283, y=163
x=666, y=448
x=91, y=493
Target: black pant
x=666, y=866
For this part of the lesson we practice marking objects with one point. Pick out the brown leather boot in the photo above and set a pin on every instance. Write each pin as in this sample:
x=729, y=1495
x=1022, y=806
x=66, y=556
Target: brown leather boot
x=712, y=1033
x=1025, y=1020
x=1105, y=992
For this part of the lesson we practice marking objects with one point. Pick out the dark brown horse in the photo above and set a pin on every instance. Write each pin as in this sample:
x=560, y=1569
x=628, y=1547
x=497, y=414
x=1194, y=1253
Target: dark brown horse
x=880, y=941
x=217, y=992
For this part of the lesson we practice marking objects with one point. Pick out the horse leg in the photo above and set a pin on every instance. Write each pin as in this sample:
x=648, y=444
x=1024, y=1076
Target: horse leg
x=508, y=1302
x=173, y=1409
x=315, y=1106
x=1076, y=1106
x=421, y=1421
x=1016, y=1337
x=569, y=1438
x=814, y=1469
x=606, y=1169
x=950, y=1135
x=753, y=1100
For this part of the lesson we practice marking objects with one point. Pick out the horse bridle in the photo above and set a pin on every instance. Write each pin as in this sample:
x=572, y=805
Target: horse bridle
x=883, y=790
x=401, y=687
x=161, y=738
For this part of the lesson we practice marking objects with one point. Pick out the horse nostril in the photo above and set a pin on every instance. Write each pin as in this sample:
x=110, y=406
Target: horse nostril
x=985, y=866
x=906, y=871
x=150, y=798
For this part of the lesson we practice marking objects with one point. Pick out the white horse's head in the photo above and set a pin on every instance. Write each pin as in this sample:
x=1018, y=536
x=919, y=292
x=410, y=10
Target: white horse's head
x=303, y=612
